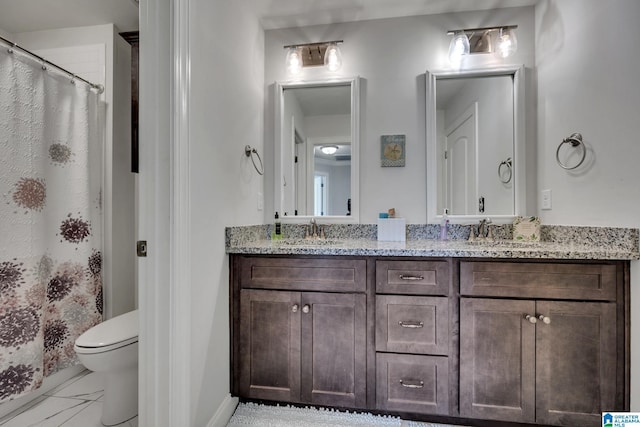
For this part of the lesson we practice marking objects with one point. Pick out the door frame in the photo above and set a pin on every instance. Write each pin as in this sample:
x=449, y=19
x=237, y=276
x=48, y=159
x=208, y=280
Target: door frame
x=164, y=215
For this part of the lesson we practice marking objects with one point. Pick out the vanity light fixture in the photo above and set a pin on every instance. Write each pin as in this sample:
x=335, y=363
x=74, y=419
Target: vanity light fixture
x=312, y=55
x=329, y=149
x=333, y=57
x=458, y=48
x=499, y=40
x=507, y=42
x=294, y=60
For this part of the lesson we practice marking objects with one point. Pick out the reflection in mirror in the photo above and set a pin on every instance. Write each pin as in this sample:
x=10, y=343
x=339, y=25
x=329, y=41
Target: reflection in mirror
x=330, y=178
x=476, y=163
x=316, y=138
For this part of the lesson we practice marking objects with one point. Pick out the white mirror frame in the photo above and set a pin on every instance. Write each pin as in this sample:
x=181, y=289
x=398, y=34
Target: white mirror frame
x=519, y=164
x=279, y=87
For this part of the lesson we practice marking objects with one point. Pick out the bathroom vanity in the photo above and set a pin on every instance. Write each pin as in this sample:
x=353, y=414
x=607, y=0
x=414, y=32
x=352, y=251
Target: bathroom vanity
x=437, y=331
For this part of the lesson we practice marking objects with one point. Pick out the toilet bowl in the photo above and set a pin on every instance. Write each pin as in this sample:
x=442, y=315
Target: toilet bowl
x=111, y=348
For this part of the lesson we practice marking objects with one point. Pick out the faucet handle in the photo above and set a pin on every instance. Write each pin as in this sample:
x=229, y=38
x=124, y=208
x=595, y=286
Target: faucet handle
x=322, y=236
x=472, y=233
x=489, y=233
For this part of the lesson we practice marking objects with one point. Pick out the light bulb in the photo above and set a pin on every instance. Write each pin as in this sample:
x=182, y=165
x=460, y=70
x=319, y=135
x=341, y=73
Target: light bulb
x=294, y=61
x=458, y=47
x=333, y=57
x=329, y=149
x=507, y=42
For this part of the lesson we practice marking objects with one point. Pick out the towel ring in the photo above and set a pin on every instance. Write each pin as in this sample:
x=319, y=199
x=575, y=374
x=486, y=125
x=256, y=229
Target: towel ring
x=249, y=152
x=575, y=139
x=509, y=164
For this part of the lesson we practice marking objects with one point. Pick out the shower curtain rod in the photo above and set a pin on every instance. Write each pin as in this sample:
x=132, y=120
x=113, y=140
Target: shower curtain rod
x=98, y=87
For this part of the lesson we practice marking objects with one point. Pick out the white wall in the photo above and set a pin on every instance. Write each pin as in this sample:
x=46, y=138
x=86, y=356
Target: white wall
x=391, y=56
x=226, y=113
x=7, y=35
x=587, y=83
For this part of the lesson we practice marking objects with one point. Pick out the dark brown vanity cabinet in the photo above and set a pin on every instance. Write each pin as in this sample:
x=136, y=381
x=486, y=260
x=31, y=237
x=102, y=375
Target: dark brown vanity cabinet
x=473, y=341
x=413, y=336
x=552, y=359
x=301, y=326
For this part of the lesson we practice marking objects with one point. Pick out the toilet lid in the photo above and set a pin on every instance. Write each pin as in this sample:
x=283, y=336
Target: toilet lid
x=121, y=329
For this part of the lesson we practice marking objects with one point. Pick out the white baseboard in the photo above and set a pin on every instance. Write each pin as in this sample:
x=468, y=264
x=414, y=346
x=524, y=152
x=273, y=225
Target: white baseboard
x=224, y=413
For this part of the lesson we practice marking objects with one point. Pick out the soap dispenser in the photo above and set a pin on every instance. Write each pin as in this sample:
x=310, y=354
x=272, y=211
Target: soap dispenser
x=444, y=226
x=277, y=228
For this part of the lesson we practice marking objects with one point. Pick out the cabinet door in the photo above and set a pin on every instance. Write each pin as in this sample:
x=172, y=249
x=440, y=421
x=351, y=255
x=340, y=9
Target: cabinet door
x=576, y=363
x=497, y=360
x=270, y=345
x=333, y=349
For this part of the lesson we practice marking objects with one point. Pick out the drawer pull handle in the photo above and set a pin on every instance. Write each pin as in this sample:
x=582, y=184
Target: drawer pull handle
x=412, y=383
x=294, y=308
x=306, y=308
x=408, y=277
x=530, y=318
x=410, y=324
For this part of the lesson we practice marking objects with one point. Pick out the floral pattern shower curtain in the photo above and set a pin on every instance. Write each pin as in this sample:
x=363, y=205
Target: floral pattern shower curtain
x=50, y=221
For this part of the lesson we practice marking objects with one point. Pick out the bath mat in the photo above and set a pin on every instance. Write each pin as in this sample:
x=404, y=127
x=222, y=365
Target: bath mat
x=253, y=414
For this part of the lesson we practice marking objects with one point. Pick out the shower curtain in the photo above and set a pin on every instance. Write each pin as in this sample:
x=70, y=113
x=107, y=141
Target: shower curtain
x=50, y=221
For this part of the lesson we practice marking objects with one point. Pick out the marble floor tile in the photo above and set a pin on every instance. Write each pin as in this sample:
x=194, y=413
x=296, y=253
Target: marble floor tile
x=49, y=412
x=88, y=386
x=76, y=403
x=90, y=417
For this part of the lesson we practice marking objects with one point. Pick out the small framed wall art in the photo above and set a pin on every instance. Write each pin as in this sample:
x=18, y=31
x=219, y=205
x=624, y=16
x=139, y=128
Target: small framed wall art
x=392, y=150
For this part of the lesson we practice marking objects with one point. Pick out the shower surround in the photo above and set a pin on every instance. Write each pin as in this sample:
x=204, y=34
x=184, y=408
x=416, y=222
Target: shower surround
x=50, y=221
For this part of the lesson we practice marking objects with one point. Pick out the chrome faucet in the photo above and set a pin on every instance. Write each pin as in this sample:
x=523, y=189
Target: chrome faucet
x=484, y=231
x=313, y=228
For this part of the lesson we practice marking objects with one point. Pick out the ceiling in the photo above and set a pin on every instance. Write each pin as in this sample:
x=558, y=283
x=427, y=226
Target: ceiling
x=298, y=13
x=34, y=15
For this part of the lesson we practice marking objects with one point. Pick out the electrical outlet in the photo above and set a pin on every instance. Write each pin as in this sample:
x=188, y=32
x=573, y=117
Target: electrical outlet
x=546, y=199
x=260, y=201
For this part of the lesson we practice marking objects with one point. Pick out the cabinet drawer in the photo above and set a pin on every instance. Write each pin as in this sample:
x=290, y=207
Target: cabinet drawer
x=538, y=280
x=411, y=383
x=413, y=277
x=409, y=324
x=307, y=274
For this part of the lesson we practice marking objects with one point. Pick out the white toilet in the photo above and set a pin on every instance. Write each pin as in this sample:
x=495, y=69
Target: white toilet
x=111, y=348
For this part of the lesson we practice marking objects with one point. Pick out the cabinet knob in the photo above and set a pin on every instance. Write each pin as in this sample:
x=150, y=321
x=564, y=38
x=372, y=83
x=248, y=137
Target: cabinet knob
x=530, y=318
x=306, y=308
x=546, y=320
x=294, y=308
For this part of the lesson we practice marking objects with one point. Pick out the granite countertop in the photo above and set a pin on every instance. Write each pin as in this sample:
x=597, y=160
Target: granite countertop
x=587, y=243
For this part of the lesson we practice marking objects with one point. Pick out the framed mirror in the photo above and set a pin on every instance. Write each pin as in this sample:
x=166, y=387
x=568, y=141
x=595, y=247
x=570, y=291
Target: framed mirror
x=316, y=150
x=475, y=144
